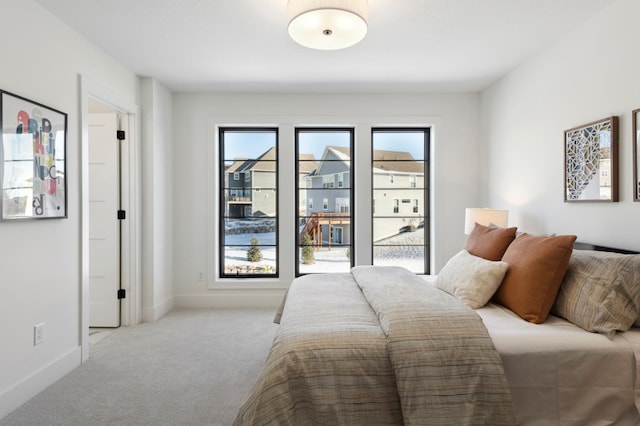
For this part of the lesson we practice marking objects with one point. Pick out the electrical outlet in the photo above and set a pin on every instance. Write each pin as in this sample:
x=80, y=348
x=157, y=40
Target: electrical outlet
x=200, y=276
x=38, y=334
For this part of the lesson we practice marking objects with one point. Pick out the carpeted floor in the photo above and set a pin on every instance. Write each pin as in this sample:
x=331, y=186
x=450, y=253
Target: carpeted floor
x=192, y=367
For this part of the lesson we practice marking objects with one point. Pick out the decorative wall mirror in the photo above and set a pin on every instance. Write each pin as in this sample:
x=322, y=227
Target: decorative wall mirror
x=636, y=154
x=591, y=161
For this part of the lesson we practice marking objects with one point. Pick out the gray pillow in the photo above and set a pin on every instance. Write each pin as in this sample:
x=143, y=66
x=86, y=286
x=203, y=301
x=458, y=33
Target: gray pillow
x=600, y=291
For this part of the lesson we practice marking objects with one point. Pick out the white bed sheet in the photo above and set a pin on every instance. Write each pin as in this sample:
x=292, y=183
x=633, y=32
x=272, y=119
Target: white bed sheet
x=560, y=374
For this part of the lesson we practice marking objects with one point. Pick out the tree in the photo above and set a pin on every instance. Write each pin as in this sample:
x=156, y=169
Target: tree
x=254, y=254
x=307, y=251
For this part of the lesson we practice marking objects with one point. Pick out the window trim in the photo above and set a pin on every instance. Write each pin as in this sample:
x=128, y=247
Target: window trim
x=247, y=209
x=206, y=260
x=352, y=132
x=427, y=130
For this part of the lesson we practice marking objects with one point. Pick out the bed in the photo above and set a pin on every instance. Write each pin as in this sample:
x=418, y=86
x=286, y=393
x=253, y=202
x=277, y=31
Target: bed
x=381, y=345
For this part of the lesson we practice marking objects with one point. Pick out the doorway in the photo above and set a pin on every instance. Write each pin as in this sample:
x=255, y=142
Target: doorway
x=98, y=99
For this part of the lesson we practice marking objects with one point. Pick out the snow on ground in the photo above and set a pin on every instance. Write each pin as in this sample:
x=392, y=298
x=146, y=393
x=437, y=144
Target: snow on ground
x=400, y=252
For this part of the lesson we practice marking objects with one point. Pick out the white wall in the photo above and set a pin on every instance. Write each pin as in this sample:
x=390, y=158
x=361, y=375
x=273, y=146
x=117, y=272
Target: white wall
x=42, y=60
x=590, y=75
x=455, y=139
x=157, y=209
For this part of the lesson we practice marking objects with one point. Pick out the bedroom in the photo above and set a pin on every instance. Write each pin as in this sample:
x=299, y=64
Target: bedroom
x=509, y=136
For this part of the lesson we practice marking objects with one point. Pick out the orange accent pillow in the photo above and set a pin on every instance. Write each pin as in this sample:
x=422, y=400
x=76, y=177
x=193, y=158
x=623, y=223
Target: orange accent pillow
x=537, y=266
x=489, y=242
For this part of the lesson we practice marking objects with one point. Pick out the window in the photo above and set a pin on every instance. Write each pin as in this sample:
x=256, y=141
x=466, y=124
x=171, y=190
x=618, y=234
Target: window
x=236, y=176
x=342, y=205
x=324, y=154
x=249, y=224
x=400, y=172
x=310, y=205
x=328, y=181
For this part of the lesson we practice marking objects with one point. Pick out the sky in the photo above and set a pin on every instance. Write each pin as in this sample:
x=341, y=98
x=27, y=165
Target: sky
x=255, y=143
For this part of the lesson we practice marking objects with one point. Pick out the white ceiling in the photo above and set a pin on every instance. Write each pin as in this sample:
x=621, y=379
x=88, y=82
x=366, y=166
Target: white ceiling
x=243, y=45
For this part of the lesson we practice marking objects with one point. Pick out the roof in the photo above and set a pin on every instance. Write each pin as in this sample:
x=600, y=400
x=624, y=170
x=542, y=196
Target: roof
x=306, y=163
x=396, y=161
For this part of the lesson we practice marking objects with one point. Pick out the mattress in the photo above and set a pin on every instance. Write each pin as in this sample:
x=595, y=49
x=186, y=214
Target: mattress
x=560, y=374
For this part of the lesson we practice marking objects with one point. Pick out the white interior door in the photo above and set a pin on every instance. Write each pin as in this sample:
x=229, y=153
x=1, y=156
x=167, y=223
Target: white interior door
x=104, y=226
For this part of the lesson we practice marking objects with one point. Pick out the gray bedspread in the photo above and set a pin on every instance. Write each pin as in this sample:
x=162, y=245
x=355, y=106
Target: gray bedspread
x=378, y=347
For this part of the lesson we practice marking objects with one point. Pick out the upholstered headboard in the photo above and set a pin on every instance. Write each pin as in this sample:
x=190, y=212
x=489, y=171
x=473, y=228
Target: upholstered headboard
x=587, y=246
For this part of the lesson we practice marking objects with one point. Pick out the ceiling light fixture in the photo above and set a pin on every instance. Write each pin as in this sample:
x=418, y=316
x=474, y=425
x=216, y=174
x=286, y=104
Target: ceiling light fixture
x=327, y=24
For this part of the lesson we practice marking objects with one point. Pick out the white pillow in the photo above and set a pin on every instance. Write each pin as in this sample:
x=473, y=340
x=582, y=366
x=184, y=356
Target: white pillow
x=471, y=279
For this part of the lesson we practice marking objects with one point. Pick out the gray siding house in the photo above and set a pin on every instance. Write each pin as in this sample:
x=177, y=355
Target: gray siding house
x=398, y=199
x=251, y=187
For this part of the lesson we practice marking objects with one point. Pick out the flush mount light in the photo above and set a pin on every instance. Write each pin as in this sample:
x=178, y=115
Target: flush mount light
x=327, y=24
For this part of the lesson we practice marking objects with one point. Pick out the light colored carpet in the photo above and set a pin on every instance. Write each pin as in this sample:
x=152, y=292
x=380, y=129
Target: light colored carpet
x=192, y=367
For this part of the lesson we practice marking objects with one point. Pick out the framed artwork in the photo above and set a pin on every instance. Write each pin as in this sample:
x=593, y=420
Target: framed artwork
x=32, y=159
x=591, y=161
x=636, y=154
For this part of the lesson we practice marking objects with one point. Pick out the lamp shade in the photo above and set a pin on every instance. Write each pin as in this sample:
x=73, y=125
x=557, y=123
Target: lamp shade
x=327, y=24
x=484, y=217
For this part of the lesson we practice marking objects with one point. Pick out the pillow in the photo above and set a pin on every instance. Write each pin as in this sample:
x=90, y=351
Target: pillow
x=471, y=279
x=600, y=292
x=488, y=242
x=537, y=266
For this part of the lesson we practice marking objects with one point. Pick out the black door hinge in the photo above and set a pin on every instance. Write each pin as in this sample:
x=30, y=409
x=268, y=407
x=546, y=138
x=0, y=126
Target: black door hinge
x=120, y=135
x=122, y=293
x=122, y=214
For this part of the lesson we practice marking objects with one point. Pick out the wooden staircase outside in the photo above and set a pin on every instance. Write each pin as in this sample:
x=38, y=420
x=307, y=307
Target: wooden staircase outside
x=314, y=224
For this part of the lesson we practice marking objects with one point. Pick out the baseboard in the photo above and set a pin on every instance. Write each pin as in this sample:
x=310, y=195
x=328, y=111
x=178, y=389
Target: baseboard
x=23, y=391
x=220, y=299
x=154, y=313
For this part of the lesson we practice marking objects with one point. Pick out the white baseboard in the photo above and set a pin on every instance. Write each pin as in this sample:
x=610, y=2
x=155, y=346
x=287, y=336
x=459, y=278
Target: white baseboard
x=21, y=392
x=154, y=313
x=220, y=299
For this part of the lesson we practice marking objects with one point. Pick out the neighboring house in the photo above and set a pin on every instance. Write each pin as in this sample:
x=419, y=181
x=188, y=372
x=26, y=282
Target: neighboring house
x=398, y=193
x=328, y=198
x=306, y=165
x=398, y=201
x=251, y=186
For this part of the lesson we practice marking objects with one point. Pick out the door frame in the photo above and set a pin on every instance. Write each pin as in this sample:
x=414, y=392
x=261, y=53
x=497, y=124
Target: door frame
x=131, y=312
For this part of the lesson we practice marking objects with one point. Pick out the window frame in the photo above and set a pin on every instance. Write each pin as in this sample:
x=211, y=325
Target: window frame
x=207, y=260
x=352, y=137
x=427, y=130
x=248, y=210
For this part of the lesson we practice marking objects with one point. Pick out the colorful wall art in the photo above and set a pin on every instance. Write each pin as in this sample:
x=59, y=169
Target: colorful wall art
x=33, y=162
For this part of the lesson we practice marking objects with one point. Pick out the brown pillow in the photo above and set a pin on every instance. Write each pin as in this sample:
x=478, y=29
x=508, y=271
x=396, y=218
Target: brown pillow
x=489, y=242
x=537, y=266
